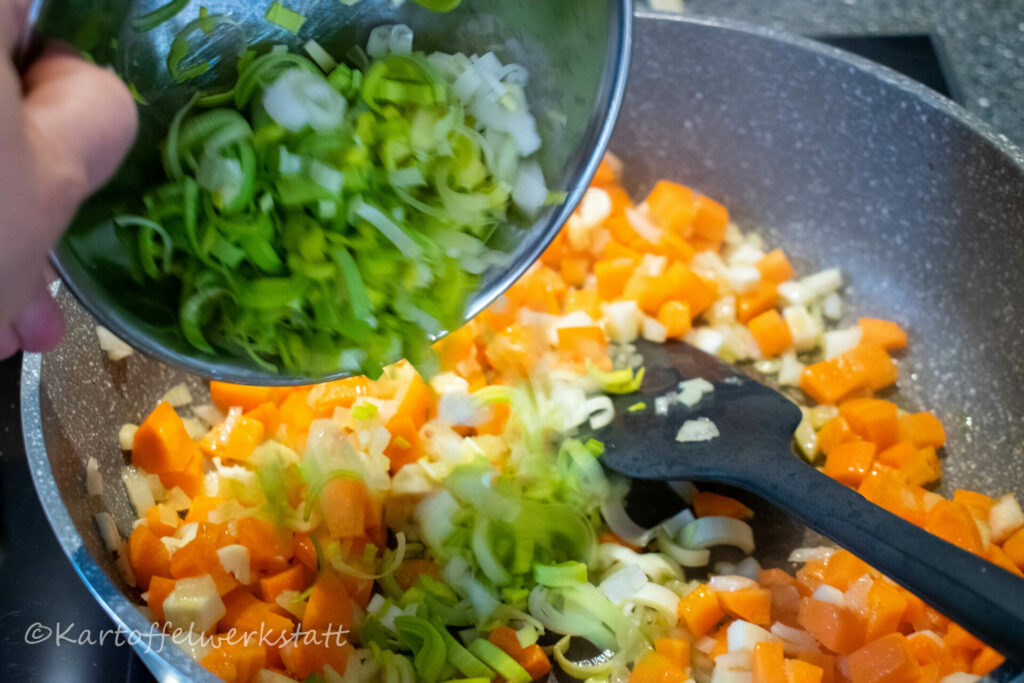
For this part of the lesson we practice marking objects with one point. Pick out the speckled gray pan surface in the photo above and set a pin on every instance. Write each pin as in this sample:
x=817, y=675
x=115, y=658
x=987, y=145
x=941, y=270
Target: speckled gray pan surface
x=841, y=163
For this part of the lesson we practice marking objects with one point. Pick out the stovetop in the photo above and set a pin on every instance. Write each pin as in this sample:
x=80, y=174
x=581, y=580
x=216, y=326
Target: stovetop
x=41, y=597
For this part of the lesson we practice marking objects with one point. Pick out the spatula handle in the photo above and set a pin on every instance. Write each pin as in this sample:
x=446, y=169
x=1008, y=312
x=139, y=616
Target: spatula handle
x=981, y=597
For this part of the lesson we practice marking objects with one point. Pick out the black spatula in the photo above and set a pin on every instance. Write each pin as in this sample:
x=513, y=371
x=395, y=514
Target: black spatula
x=753, y=452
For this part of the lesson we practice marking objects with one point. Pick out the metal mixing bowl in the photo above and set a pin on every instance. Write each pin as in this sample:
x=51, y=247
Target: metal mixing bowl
x=840, y=161
x=577, y=53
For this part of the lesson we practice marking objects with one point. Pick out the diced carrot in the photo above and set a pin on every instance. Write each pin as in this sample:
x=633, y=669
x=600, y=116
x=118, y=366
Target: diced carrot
x=233, y=439
x=227, y=396
x=612, y=277
x=340, y=393
x=148, y=556
x=416, y=402
x=674, y=247
x=410, y=571
x=825, y=662
x=191, y=479
x=842, y=568
x=245, y=613
x=835, y=627
x=986, y=662
x=799, y=671
x=506, y=639
x=656, y=668
x=708, y=504
x=199, y=557
x=605, y=174
x=873, y=420
x=958, y=636
x=923, y=467
x=830, y=380
x=866, y=367
x=620, y=199
x=771, y=333
x=535, y=661
x=850, y=462
x=898, y=455
x=161, y=443
x=673, y=207
x=700, y=610
x=201, y=508
x=998, y=556
x=157, y=522
x=304, y=551
x=266, y=414
x=709, y=224
x=269, y=545
x=884, y=333
x=585, y=300
x=954, y=523
x=927, y=649
x=874, y=364
x=297, y=416
x=160, y=589
x=978, y=503
x=677, y=650
x=295, y=578
x=885, y=660
x=557, y=250
x=775, y=267
x=541, y=289
x=768, y=664
x=621, y=229
x=834, y=432
x=305, y=657
x=884, y=610
x=617, y=250
x=649, y=292
x=755, y=302
x=574, y=270
x=580, y=344
x=683, y=284
x=234, y=660
x=1014, y=548
x=924, y=429
x=405, y=446
x=675, y=316
x=775, y=577
x=329, y=607
x=458, y=346
x=750, y=604
x=343, y=502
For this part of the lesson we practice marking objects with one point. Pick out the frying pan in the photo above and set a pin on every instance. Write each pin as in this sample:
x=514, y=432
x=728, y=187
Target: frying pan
x=841, y=161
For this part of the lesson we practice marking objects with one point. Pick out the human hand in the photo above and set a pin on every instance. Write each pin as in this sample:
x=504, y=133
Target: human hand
x=65, y=125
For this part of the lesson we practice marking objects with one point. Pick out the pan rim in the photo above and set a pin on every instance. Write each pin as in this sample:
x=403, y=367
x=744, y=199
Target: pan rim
x=174, y=664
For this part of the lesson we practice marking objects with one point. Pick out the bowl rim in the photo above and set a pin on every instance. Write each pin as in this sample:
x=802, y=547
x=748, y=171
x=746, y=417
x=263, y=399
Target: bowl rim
x=174, y=664
x=611, y=91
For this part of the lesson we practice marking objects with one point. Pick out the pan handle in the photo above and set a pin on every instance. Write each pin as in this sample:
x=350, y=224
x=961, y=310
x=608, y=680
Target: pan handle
x=983, y=598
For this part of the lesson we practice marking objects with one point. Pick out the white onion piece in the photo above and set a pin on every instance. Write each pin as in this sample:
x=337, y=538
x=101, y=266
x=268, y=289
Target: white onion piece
x=743, y=636
x=729, y=584
x=139, y=492
x=299, y=98
x=829, y=594
x=614, y=514
x=801, y=555
x=700, y=429
x=93, y=478
x=530, y=190
x=708, y=532
x=622, y=583
x=659, y=598
x=793, y=639
x=115, y=348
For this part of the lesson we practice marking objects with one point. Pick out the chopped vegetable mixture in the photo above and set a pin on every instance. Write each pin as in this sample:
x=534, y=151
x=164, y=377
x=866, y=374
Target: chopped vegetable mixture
x=457, y=527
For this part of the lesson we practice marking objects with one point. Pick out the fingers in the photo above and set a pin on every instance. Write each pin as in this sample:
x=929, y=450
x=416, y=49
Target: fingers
x=38, y=328
x=81, y=121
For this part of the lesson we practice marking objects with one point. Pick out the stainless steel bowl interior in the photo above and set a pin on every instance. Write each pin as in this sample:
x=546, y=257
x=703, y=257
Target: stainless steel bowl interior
x=848, y=164
x=577, y=53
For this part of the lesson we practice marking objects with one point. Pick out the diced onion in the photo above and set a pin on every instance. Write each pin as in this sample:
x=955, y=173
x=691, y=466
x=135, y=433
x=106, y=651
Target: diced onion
x=139, y=492
x=115, y=348
x=801, y=555
x=699, y=429
x=93, y=478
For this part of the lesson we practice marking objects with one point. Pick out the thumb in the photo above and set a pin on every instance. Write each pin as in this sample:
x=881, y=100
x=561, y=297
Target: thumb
x=81, y=121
